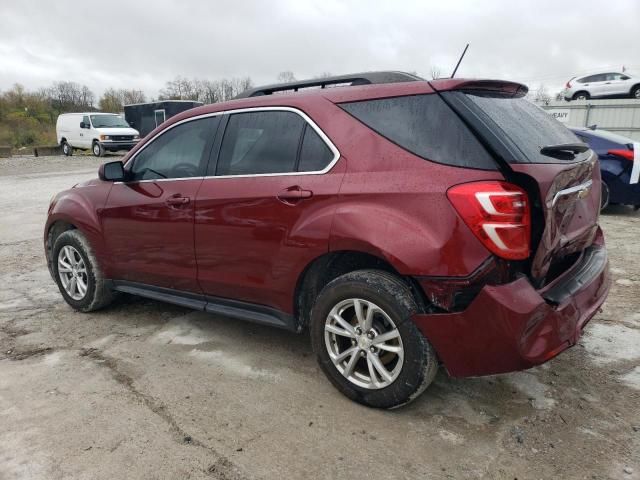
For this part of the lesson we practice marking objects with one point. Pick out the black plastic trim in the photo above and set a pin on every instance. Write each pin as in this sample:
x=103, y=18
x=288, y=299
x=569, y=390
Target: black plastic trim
x=222, y=306
x=591, y=264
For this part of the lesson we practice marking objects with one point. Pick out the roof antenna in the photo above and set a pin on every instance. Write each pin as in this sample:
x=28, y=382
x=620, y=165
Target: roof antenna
x=458, y=64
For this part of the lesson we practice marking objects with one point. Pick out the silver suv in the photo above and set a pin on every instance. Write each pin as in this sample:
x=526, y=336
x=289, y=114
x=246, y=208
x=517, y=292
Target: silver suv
x=602, y=85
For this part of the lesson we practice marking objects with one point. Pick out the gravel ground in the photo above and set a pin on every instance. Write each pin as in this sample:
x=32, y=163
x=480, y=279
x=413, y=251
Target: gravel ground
x=149, y=390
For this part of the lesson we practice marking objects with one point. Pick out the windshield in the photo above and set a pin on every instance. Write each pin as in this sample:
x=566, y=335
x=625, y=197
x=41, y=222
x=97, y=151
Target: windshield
x=108, y=121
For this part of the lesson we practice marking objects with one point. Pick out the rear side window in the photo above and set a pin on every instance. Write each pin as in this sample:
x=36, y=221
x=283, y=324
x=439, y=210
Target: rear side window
x=259, y=143
x=527, y=126
x=315, y=155
x=426, y=126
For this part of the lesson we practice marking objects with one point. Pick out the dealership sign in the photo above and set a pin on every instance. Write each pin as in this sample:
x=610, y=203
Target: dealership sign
x=560, y=114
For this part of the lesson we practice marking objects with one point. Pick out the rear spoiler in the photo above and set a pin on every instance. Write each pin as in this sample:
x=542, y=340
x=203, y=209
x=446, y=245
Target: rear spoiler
x=511, y=89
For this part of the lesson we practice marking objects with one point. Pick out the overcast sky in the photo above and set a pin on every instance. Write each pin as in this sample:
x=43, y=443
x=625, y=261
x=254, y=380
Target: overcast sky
x=142, y=43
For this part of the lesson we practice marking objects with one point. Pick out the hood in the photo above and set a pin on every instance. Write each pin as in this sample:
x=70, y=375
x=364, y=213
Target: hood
x=117, y=131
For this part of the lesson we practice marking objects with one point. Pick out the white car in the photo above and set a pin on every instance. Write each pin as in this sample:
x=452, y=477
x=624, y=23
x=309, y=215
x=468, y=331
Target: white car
x=98, y=132
x=601, y=85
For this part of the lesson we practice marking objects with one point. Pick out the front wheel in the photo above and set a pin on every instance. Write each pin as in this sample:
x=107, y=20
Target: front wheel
x=78, y=274
x=366, y=343
x=67, y=150
x=635, y=92
x=98, y=150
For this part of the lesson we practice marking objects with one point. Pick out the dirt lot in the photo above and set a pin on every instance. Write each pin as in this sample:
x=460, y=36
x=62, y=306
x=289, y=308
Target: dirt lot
x=148, y=390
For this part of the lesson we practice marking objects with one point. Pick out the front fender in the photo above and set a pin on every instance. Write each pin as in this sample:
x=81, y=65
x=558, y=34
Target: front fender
x=80, y=207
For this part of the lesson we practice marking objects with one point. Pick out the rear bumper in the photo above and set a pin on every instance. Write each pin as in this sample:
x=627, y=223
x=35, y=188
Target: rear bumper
x=514, y=326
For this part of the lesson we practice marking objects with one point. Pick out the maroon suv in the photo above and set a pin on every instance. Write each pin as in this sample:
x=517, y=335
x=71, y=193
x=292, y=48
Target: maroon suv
x=405, y=223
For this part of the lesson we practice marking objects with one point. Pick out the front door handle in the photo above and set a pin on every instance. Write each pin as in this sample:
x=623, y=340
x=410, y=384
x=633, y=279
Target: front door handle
x=293, y=195
x=177, y=200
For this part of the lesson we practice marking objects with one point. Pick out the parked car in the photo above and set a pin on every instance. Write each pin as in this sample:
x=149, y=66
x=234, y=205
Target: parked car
x=616, y=155
x=603, y=85
x=98, y=132
x=405, y=223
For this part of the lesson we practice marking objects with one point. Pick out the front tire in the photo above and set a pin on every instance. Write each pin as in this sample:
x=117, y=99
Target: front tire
x=78, y=274
x=635, y=92
x=98, y=150
x=67, y=149
x=366, y=343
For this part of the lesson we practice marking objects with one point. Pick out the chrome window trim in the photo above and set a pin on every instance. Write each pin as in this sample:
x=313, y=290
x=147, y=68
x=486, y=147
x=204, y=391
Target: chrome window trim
x=305, y=117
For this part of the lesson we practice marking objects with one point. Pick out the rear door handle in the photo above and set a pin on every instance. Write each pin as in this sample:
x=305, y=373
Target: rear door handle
x=176, y=200
x=293, y=195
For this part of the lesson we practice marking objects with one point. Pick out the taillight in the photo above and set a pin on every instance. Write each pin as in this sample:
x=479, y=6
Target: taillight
x=568, y=85
x=628, y=154
x=498, y=213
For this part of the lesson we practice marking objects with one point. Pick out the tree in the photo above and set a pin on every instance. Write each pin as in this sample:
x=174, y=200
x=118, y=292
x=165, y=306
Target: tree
x=70, y=97
x=206, y=91
x=113, y=100
x=286, y=77
x=540, y=95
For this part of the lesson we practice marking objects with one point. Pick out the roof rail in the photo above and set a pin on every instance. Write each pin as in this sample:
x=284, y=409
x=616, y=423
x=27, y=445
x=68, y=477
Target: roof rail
x=352, y=79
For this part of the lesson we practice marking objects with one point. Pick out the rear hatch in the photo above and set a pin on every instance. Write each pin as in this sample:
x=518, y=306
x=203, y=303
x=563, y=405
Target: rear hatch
x=541, y=155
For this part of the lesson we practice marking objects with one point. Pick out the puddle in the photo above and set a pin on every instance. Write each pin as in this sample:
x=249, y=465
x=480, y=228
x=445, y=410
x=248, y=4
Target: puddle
x=632, y=379
x=231, y=364
x=528, y=384
x=611, y=342
x=181, y=331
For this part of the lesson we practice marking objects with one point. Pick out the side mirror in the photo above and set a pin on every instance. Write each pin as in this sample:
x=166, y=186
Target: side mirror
x=84, y=125
x=112, y=172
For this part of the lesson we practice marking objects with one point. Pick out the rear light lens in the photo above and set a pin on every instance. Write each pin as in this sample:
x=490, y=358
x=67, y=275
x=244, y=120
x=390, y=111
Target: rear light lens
x=568, y=85
x=627, y=154
x=498, y=213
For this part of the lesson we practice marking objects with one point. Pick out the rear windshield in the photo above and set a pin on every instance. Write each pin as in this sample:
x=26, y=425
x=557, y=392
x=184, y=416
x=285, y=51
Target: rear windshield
x=528, y=126
x=426, y=126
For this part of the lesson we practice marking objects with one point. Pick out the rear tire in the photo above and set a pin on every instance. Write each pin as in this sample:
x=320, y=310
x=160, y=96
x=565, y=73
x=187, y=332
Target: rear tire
x=97, y=149
x=604, y=195
x=378, y=373
x=75, y=266
x=67, y=149
x=635, y=92
x=581, y=96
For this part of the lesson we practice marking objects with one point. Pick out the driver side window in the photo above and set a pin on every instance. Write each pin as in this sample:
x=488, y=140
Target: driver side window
x=179, y=153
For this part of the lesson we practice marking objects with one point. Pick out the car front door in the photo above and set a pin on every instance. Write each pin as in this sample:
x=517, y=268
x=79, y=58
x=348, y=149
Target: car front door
x=84, y=134
x=265, y=212
x=148, y=220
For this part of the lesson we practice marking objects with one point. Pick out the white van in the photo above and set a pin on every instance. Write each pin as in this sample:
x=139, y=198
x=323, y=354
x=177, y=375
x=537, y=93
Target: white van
x=99, y=132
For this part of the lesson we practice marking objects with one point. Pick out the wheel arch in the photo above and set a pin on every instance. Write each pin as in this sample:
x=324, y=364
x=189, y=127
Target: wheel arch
x=325, y=268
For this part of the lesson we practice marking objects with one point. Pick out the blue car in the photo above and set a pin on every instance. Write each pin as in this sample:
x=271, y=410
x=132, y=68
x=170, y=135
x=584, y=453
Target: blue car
x=616, y=161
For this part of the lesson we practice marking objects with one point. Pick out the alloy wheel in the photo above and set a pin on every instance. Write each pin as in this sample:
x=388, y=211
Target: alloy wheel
x=364, y=343
x=73, y=272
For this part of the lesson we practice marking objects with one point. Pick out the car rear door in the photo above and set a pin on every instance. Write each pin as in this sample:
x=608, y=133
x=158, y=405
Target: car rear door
x=562, y=181
x=148, y=220
x=597, y=85
x=265, y=210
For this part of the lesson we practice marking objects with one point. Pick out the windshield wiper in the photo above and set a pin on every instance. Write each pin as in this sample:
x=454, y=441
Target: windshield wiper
x=564, y=149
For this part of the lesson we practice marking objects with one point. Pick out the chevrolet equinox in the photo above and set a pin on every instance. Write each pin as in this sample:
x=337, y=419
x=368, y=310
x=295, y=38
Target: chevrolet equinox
x=405, y=223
